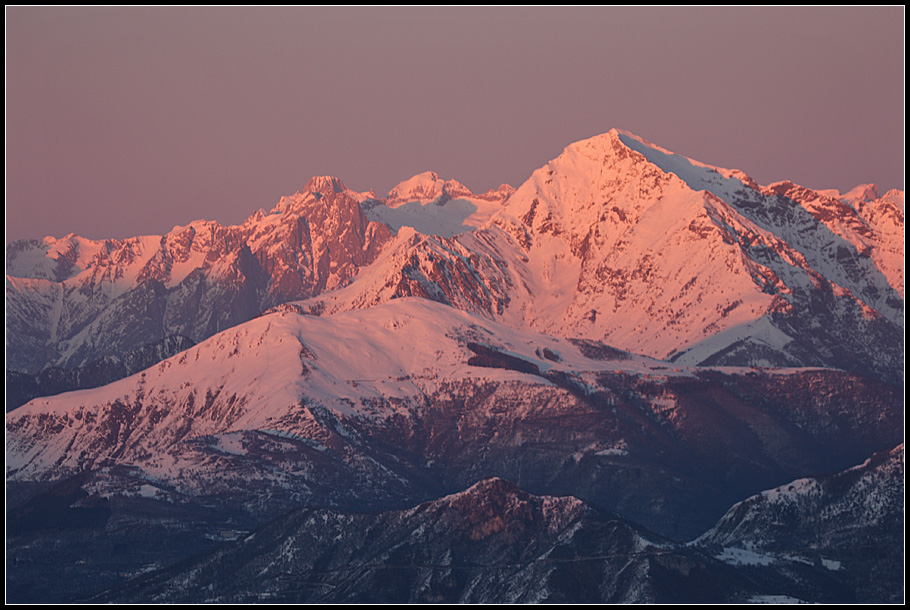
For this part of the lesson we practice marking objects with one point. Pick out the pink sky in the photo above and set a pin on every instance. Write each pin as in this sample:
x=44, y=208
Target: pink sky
x=129, y=121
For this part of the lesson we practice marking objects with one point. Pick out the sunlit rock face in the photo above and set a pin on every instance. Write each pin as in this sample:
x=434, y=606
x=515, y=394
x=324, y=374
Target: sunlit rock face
x=73, y=301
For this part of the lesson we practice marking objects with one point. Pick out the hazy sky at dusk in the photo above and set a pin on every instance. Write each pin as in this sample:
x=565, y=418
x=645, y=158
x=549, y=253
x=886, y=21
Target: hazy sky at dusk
x=127, y=121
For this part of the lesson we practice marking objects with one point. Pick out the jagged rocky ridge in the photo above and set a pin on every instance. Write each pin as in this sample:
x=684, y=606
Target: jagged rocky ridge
x=71, y=301
x=615, y=240
x=490, y=544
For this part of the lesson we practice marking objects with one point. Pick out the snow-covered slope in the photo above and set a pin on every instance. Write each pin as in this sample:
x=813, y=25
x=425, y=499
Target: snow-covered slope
x=817, y=511
x=381, y=405
x=652, y=240
x=873, y=224
x=267, y=373
x=21, y=387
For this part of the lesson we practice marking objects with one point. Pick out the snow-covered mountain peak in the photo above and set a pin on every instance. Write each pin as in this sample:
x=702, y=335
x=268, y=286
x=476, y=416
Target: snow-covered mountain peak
x=426, y=187
x=434, y=206
x=617, y=229
x=896, y=197
x=319, y=192
x=600, y=181
x=325, y=185
x=862, y=192
x=423, y=187
x=858, y=194
x=51, y=258
x=309, y=242
x=500, y=194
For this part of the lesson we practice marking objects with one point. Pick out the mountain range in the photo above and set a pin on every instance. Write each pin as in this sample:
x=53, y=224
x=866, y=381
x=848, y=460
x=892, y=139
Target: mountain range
x=627, y=345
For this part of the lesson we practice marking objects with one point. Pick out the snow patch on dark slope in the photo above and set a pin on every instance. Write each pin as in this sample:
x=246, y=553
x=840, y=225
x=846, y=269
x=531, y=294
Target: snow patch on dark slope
x=492, y=543
x=850, y=522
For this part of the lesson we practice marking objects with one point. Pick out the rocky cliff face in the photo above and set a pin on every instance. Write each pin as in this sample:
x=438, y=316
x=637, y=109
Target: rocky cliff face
x=72, y=301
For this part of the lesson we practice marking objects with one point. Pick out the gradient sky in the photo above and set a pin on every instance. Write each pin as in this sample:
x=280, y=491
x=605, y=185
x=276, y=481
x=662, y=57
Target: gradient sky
x=129, y=121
